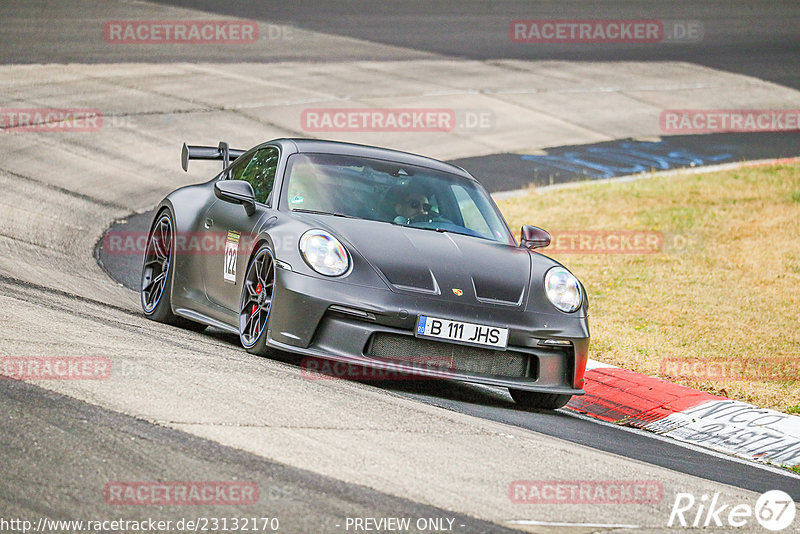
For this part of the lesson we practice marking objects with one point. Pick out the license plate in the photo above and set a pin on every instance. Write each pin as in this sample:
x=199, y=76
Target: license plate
x=470, y=333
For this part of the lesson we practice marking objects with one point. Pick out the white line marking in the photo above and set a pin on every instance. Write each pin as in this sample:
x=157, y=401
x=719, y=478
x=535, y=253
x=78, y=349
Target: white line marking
x=594, y=364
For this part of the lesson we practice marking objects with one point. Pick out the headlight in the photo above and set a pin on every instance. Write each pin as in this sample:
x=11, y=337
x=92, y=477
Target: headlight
x=324, y=253
x=562, y=289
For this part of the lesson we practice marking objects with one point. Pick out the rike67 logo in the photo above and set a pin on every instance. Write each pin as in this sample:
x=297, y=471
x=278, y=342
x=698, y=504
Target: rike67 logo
x=774, y=510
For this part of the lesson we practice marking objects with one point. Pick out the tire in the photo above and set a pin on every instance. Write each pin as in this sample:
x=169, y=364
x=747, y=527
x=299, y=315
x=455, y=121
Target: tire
x=532, y=400
x=256, y=301
x=158, y=268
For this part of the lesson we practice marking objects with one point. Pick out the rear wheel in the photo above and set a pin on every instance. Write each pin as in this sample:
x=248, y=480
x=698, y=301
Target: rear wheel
x=539, y=401
x=256, y=301
x=157, y=273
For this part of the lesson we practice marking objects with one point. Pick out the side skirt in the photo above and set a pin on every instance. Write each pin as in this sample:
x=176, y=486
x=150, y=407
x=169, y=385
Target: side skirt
x=205, y=319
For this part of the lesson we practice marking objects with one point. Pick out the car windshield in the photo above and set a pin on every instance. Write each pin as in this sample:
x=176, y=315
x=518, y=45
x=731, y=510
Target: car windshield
x=392, y=192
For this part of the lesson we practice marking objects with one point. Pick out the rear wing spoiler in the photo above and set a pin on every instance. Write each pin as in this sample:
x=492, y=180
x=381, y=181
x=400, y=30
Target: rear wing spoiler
x=222, y=153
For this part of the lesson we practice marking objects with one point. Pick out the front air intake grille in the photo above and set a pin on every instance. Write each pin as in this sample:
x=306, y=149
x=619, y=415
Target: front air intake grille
x=416, y=351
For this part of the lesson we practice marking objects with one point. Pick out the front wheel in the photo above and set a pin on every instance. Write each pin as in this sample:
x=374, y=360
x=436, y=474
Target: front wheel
x=532, y=400
x=256, y=301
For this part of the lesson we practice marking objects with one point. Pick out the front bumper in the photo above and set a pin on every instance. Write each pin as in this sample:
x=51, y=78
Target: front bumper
x=330, y=319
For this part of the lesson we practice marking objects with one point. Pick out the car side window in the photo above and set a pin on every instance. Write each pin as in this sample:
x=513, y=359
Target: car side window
x=239, y=165
x=259, y=172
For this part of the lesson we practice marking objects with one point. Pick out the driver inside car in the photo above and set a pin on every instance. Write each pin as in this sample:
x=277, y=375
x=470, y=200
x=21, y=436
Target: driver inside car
x=413, y=207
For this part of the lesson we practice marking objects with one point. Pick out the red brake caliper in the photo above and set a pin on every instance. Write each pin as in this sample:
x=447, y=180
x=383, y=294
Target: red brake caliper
x=258, y=290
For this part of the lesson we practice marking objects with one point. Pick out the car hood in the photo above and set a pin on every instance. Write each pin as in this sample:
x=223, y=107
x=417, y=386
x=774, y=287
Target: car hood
x=451, y=266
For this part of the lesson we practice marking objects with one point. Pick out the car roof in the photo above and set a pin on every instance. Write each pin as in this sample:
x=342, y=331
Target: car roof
x=310, y=146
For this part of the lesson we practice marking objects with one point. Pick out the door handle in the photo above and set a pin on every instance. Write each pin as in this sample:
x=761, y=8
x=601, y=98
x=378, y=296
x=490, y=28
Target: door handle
x=209, y=223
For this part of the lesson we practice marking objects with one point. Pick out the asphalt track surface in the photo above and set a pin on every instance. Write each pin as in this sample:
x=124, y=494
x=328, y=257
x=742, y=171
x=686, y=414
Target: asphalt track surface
x=95, y=446
x=57, y=452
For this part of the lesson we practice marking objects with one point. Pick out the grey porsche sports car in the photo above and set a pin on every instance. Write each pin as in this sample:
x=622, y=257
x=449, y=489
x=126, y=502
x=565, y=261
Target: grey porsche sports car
x=368, y=256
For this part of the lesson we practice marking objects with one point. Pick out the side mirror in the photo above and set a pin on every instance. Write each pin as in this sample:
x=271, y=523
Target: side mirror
x=237, y=192
x=534, y=237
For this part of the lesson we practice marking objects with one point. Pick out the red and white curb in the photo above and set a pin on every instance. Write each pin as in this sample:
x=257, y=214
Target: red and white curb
x=718, y=423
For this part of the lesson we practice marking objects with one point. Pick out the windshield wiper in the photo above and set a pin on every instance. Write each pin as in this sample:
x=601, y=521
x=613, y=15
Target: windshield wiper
x=442, y=230
x=317, y=212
